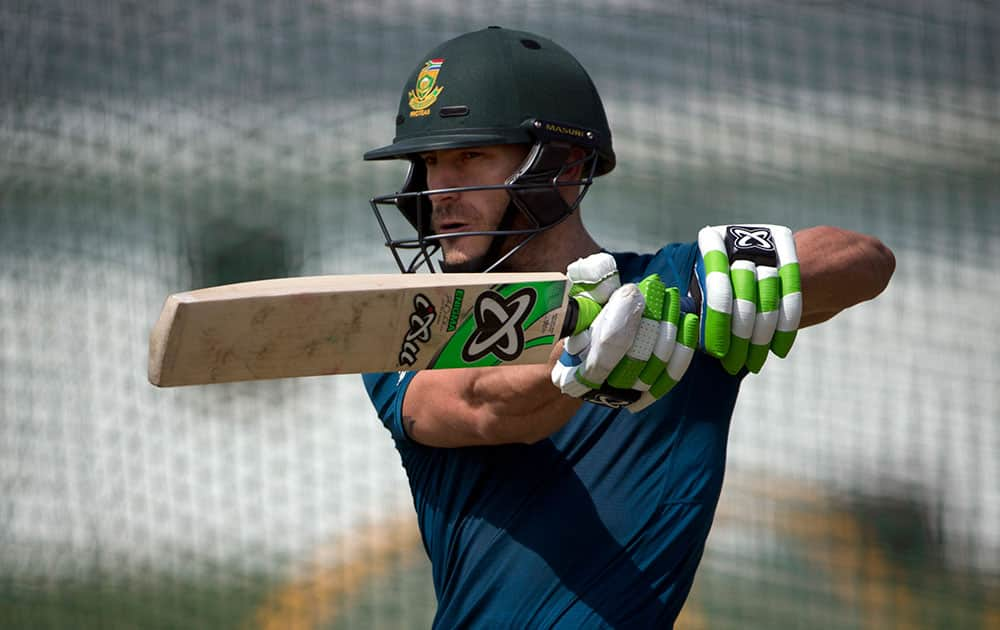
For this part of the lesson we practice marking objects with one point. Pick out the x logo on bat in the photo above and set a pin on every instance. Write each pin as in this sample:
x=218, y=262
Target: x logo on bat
x=499, y=322
x=421, y=318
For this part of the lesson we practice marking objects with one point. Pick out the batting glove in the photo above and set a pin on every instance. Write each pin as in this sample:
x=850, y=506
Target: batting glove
x=751, y=295
x=630, y=355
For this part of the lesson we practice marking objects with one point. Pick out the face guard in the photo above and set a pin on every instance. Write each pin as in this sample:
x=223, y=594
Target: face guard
x=534, y=191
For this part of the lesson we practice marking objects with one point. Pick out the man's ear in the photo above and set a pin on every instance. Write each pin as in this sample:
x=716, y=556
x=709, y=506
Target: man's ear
x=576, y=154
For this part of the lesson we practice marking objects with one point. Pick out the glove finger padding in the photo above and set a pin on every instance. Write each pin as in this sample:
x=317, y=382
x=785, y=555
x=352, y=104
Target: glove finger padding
x=744, y=315
x=680, y=360
x=790, y=310
x=753, y=303
x=716, y=292
x=665, y=342
x=768, y=300
x=588, y=357
x=626, y=374
x=611, y=335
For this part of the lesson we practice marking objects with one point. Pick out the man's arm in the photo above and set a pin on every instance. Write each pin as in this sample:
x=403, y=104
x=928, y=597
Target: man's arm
x=451, y=408
x=839, y=269
x=482, y=406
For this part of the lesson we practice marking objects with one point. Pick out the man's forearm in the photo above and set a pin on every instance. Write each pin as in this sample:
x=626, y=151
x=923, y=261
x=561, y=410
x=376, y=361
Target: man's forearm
x=503, y=405
x=839, y=269
x=521, y=404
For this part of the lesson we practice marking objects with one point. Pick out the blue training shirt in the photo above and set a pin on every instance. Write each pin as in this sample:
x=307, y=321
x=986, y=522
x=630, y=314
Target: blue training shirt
x=601, y=525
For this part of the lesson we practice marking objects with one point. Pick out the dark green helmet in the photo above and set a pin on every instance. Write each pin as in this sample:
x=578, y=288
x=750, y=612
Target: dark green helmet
x=491, y=87
x=488, y=87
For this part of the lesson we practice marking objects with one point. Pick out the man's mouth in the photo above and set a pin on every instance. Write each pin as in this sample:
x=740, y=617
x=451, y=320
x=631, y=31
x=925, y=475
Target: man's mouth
x=452, y=226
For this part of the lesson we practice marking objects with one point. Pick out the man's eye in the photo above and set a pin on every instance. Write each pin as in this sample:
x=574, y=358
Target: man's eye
x=429, y=160
x=471, y=155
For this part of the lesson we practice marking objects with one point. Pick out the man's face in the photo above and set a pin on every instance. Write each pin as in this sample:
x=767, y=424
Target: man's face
x=469, y=211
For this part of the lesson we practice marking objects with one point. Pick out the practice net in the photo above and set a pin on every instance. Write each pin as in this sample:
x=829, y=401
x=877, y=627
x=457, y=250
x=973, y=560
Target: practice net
x=149, y=148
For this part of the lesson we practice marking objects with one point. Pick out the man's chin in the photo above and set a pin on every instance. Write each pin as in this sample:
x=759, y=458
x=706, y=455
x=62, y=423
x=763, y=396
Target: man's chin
x=474, y=264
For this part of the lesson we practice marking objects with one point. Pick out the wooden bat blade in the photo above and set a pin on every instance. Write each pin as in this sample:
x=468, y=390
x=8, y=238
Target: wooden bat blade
x=318, y=325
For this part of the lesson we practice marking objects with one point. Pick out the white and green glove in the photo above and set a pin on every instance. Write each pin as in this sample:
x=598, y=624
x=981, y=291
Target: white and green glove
x=751, y=295
x=633, y=352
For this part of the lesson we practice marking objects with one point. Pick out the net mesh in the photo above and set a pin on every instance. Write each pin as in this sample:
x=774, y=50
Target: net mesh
x=148, y=148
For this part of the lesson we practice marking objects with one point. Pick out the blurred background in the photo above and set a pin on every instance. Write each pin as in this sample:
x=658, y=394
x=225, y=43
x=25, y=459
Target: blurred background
x=148, y=148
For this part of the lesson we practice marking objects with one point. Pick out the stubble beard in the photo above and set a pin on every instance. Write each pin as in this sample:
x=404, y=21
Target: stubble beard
x=471, y=264
x=478, y=264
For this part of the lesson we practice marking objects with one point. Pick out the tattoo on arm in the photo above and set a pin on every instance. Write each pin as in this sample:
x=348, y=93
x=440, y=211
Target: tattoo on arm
x=408, y=422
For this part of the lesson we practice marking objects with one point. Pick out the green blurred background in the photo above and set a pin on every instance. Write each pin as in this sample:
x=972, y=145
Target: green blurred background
x=148, y=148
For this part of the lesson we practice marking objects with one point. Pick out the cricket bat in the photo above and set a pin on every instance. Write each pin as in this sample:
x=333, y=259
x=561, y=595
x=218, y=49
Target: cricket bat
x=310, y=326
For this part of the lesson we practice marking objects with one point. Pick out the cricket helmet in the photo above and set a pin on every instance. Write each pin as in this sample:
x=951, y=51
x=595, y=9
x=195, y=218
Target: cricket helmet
x=489, y=87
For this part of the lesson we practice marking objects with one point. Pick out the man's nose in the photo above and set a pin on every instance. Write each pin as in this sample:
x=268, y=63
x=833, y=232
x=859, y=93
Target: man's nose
x=442, y=178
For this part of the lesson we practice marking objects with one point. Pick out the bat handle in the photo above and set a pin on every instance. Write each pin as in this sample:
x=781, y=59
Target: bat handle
x=580, y=313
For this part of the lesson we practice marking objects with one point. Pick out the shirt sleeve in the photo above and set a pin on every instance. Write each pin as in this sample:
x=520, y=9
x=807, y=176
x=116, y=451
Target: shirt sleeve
x=386, y=391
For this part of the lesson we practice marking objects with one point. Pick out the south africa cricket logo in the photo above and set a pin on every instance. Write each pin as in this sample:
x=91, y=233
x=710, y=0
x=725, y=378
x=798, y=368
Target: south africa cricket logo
x=499, y=325
x=427, y=90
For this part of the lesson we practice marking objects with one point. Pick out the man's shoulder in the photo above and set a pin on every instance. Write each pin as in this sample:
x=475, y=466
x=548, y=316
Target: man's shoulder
x=673, y=262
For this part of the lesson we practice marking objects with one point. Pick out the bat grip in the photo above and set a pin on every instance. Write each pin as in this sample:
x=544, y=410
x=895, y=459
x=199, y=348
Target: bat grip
x=580, y=314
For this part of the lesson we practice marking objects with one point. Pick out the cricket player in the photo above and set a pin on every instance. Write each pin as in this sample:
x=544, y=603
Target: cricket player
x=578, y=494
